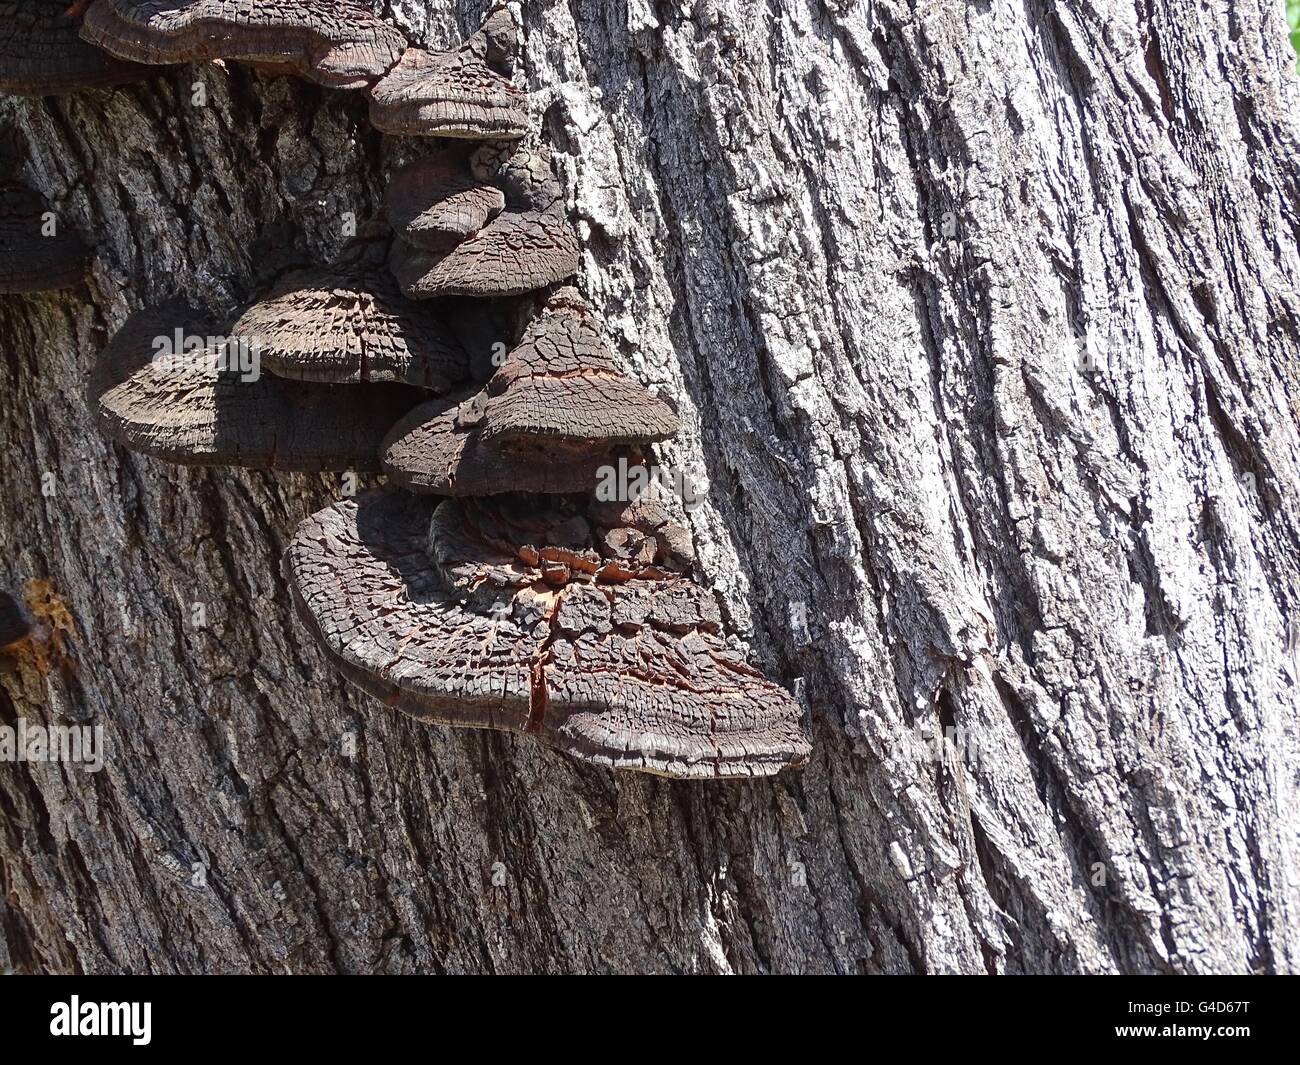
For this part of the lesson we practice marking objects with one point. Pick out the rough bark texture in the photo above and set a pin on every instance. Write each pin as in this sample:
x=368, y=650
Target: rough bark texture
x=982, y=321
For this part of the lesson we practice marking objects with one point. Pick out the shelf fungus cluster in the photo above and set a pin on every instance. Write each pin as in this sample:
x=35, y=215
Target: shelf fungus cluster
x=486, y=586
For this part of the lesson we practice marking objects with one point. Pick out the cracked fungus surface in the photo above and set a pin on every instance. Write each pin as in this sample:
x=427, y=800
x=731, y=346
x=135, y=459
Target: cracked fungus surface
x=439, y=200
x=337, y=43
x=562, y=381
x=346, y=327
x=449, y=94
x=631, y=673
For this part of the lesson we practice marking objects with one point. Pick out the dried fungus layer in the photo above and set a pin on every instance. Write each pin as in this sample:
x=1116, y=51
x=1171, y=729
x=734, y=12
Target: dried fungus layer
x=42, y=54
x=526, y=247
x=462, y=93
x=37, y=252
x=336, y=43
x=208, y=408
x=437, y=449
x=343, y=327
x=439, y=200
x=632, y=675
x=562, y=382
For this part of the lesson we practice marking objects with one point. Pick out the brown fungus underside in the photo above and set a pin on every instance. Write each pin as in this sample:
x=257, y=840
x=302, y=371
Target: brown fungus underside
x=204, y=408
x=339, y=326
x=340, y=44
x=42, y=54
x=630, y=673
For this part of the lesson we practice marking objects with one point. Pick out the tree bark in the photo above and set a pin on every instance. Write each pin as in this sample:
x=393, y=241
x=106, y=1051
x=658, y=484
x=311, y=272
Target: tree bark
x=982, y=318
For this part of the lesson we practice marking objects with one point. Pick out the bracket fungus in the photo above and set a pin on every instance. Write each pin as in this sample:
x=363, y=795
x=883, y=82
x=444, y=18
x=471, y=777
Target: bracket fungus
x=437, y=448
x=340, y=44
x=440, y=200
x=438, y=614
x=527, y=246
x=207, y=405
x=563, y=382
x=37, y=252
x=465, y=92
x=338, y=326
x=42, y=53
x=555, y=413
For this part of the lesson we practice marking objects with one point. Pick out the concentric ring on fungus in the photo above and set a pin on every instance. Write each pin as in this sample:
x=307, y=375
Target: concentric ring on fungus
x=434, y=613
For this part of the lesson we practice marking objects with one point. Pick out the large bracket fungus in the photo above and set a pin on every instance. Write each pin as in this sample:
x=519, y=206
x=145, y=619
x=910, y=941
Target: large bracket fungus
x=42, y=54
x=441, y=616
x=527, y=246
x=205, y=405
x=337, y=326
x=340, y=44
x=465, y=92
x=512, y=605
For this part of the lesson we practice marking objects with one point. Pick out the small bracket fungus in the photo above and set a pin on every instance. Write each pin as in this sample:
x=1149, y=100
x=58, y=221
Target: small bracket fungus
x=339, y=327
x=42, y=54
x=465, y=92
x=444, y=619
x=563, y=382
x=208, y=405
x=38, y=252
x=437, y=449
x=438, y=201
x=340, y=44
x=527, y=246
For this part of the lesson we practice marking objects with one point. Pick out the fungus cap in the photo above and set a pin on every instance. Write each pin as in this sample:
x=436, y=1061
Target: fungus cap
x=563, y=382
x=463, y=93
x=337, y=43
x=438, y=201
x=208, y=407
x=526, y=247
x=345, y=326
x=631, y=676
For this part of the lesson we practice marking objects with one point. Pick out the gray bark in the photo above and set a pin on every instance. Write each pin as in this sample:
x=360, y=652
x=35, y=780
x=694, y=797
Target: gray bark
x=982, y=319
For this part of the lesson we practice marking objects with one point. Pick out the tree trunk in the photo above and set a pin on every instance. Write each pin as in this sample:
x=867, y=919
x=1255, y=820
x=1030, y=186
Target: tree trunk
x=982, y=320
